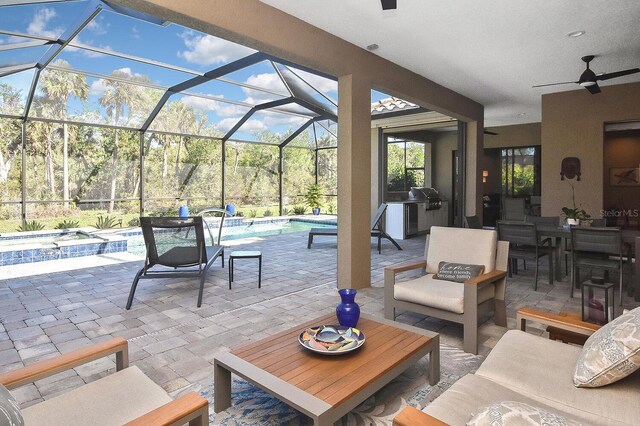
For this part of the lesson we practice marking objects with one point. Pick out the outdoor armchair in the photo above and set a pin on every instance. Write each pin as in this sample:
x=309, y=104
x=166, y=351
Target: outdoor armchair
x=464, y=302
x=180, y=244
x=127, y=396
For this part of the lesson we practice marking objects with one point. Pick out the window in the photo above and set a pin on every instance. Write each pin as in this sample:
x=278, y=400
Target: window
x=405, y=164
x=520, y=171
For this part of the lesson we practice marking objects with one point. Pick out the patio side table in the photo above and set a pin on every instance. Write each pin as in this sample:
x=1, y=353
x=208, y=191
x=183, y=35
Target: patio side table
x=245, y=254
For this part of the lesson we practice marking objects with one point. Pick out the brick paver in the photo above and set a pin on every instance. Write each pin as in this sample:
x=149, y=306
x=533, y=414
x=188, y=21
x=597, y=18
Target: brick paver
x=174, y=342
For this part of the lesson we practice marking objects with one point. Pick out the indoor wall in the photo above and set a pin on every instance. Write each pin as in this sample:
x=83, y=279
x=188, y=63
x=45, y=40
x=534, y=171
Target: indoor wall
x=573, y=126
x=621, y=149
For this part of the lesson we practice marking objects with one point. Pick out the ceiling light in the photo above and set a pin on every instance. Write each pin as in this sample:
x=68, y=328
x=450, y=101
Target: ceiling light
x=372, y=46
x=522, y=114
x=576, y=33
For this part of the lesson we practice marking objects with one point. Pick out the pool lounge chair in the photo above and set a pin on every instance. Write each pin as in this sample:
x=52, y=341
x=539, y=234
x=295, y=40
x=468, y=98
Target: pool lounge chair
x=376, y=230
x=169, y=244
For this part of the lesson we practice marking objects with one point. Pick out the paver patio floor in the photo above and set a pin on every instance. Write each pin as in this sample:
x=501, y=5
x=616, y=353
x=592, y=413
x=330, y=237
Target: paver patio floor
x=175, y=343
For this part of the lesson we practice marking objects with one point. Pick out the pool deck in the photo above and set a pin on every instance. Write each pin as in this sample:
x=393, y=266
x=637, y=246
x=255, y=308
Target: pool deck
x=45, y=310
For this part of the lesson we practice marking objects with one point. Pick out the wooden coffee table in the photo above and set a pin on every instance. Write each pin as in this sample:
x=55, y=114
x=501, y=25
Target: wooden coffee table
x=323, y=387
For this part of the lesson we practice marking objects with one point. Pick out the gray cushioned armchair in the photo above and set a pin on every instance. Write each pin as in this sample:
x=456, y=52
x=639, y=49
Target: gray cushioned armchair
x=127, y=396
x=458, y=302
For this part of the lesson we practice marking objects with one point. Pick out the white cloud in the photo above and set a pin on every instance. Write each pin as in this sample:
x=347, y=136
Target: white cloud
x=40, y=21
x=269, y=81
x=222, y=109
x=204, y=49
x=322, y=84
x=226, y=124
x=97, y=26
x=98, y=87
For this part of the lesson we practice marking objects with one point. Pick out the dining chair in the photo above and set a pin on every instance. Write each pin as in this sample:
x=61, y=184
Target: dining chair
x=524, y=243
x=473, y=222
x=513, y=209
x=597, y=248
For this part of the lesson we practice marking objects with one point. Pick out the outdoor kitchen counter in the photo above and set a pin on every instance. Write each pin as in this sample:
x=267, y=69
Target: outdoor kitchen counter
x=405, y=219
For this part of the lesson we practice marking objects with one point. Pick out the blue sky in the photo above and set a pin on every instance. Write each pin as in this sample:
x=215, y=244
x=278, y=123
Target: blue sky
x=172, y=44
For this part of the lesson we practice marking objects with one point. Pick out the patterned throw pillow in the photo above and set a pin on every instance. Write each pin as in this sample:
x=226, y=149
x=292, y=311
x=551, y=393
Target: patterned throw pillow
x=517, y=414
x=10, y=414
x=611, y=353
x=457, y=272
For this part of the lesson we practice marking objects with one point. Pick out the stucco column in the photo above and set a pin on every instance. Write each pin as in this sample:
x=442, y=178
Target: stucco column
x=354, y=182
x=474, y=151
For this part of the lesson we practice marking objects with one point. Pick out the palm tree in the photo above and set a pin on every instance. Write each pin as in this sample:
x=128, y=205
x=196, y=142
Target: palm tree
x=117, y=99
x=57, y=88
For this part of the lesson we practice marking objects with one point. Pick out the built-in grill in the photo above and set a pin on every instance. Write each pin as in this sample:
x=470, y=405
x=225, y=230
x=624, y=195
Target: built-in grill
x=428, y=196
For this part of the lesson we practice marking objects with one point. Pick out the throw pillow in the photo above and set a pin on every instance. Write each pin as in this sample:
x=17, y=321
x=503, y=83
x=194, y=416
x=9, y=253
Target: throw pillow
x=458, y=272
x=517, y=413
x=10, y=414
x=611, y=353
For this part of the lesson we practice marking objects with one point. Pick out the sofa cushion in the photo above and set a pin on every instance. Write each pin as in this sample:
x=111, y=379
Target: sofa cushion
x=445, y=295
x=112, y=400
x=611, y=353
x=10, y=414
x=458, y=272
x=461, y=245
x=542, y=370
x=472, y=393
x=515, y=413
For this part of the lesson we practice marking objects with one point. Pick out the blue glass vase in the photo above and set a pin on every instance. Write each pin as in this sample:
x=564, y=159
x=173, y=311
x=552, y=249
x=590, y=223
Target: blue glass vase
x=348, y=311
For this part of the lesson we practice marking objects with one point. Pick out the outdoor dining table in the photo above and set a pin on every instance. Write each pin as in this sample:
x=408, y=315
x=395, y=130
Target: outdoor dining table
x=562, y=234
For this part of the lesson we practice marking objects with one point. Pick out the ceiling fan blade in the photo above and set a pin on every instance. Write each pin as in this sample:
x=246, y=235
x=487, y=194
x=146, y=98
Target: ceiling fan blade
x=593, y=89
x=555, y=84
x=610, y=75
x=489, y=132
x=389, y=4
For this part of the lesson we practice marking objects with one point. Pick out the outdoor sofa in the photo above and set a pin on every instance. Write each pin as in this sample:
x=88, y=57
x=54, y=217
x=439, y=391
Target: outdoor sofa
x=531, y=369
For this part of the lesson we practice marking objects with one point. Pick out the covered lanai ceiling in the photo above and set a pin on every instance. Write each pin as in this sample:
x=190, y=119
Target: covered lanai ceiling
x=89, y=62
x=489, y=51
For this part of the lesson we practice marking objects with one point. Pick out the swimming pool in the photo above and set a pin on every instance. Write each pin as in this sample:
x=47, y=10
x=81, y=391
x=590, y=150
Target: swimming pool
x=38, y=246
x=248, y=229
x=30, y=247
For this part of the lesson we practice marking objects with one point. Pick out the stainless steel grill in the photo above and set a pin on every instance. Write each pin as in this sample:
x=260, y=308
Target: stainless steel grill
x=429, y=196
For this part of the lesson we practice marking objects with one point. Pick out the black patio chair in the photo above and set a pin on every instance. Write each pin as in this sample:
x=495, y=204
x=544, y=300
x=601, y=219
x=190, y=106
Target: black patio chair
x=524, y=243
x=376, y=230
x=170, y=243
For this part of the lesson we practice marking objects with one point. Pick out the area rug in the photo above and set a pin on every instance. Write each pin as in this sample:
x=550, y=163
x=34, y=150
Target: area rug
x=253, y=406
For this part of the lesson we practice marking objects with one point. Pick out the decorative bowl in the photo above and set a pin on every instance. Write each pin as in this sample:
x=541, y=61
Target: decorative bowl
x=331, y=339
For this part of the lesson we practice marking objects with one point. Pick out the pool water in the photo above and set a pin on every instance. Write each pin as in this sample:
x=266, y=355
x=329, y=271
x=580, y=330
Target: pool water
x=255, y=229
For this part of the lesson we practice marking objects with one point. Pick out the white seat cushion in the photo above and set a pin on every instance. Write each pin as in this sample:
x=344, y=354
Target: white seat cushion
x=543, y=369
x=461, y=245
x=440, y=294
x=112, y=400
x=471, y=394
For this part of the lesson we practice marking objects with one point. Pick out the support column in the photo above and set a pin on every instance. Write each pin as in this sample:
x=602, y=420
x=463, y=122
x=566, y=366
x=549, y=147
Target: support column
x=23, y=156
x=141, y=165
x=473, y=168
x=280, y=180
x=354, y=183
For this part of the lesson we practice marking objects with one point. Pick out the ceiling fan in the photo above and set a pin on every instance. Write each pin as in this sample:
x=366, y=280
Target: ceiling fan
x=589, y=79
x=389, y=4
